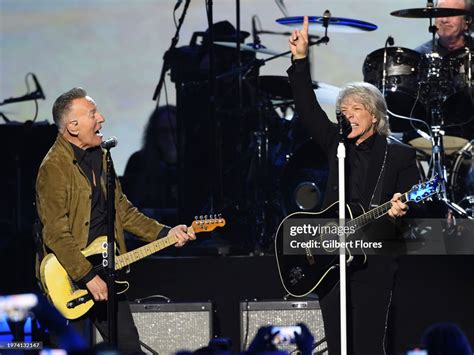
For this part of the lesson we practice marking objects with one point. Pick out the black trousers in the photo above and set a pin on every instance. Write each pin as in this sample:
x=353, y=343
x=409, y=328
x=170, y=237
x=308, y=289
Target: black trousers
x=369, y=300
x=127, y=333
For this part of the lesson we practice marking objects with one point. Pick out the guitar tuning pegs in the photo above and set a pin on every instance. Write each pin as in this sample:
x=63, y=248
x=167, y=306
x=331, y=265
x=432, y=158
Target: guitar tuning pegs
x=195, y=218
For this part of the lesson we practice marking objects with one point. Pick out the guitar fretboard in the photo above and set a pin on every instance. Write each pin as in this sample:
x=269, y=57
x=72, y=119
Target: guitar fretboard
x=144, y=251
x=373, y=214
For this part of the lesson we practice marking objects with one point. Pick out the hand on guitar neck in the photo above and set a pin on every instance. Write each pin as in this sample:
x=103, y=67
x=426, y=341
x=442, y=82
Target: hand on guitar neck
x=398, y=209
x=98, y=288
x=182, y=234
x=73, y=301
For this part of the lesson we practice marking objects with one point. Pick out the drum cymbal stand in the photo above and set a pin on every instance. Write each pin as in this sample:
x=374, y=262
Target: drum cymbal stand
x=439, y=168
x=432, y=29
x=434, y=90
x=258, y=176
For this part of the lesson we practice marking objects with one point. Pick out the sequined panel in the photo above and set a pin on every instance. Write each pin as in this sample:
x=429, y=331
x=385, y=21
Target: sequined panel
x=280, y=313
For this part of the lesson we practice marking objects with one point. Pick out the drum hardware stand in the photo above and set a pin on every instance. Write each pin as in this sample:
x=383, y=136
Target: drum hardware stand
x=437, y=155
x=168, y=53
x=262, y=144
x=390, y=42
x=438, y=168
x=432, y=28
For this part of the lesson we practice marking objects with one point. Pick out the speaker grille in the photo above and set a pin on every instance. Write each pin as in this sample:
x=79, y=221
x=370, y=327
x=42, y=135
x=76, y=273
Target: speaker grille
x=171, y=327
x=279, y=313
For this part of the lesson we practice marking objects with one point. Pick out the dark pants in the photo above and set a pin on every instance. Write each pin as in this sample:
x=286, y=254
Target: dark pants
x=127, y=334
x=369, y=299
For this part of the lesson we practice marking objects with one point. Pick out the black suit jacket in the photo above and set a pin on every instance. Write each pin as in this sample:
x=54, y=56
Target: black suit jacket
x=401, y=172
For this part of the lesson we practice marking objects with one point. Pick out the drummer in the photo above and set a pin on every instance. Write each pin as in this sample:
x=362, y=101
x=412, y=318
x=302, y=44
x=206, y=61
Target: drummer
x=452, y=31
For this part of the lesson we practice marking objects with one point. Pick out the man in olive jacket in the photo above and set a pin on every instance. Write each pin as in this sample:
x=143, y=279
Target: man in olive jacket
x=71, y=204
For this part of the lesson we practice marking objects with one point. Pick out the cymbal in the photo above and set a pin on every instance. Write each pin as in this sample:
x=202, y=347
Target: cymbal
x=335, y=24
x=249, y=47
x=451, y=144
x=429, y=12
x=278, y=88
x=326, y=93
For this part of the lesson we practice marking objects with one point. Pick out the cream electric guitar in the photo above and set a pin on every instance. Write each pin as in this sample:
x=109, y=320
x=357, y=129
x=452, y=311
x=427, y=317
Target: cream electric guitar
x=74, y=302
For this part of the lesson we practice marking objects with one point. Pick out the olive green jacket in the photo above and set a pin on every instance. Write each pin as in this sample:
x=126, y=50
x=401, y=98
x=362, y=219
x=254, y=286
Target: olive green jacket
x=63, y=201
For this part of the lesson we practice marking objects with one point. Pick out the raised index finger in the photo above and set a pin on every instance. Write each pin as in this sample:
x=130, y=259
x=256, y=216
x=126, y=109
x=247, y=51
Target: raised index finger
x=305, y=24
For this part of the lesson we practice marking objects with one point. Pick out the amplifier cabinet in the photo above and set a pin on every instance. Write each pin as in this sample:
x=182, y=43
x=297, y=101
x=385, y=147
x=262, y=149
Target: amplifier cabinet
x=255, y=314
x=171, y=327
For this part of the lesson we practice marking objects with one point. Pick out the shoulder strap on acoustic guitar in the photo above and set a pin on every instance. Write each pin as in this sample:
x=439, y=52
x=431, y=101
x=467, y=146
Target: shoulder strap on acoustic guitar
x=376, y=197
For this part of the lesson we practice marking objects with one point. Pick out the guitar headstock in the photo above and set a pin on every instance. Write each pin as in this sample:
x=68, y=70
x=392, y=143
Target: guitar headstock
x=424, y=190
x=207, y=223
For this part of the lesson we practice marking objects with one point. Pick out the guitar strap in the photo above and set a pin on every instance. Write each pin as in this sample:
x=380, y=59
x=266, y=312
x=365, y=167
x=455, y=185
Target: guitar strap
x=376, y=196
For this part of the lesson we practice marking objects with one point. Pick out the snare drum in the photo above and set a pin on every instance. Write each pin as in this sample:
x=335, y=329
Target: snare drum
x=401, y=82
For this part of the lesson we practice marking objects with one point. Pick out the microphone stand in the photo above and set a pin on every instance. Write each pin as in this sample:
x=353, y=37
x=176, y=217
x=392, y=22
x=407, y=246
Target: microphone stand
x=109, y=255
x=432, y=29
x=341, y=155
x=166, y=56
x=384, y=71
x=261, y=62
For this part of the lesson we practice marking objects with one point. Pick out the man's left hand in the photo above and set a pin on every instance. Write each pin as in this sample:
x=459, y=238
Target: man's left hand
x=182, y=234
x=399, y=209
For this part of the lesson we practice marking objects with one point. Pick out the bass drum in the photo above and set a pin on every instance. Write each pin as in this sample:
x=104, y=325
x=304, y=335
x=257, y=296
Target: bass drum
x=401, y=82
x=462, y=179
x=303, y=180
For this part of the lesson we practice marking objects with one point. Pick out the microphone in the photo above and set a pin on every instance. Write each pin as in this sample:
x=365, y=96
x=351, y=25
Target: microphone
x=343, y=124
x=178, y=4
x=256, y=39
x=326, y=18
x=109, y=143
x=37, y=94
x=391, y=42
x=39, y=89
x=26, y=97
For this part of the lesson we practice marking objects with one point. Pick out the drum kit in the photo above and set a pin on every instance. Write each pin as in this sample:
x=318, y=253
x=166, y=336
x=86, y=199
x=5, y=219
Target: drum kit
x=430, y=105
x=433, y=100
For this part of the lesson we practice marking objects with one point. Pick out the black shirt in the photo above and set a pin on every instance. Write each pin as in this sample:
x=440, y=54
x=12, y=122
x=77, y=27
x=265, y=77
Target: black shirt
x=90, y=161
x=359, y=157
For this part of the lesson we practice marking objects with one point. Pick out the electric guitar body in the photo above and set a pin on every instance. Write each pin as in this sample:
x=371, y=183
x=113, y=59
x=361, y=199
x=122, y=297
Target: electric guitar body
x=72, y=301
